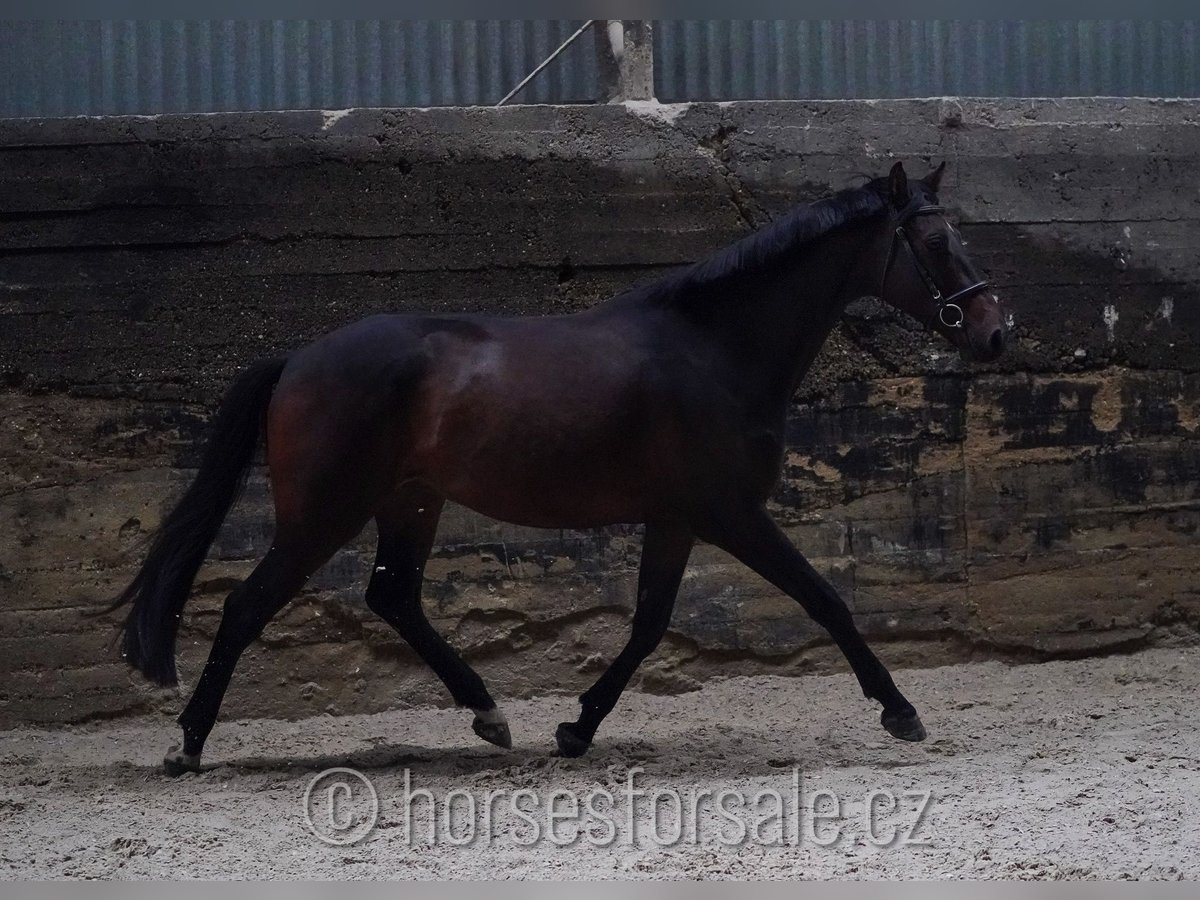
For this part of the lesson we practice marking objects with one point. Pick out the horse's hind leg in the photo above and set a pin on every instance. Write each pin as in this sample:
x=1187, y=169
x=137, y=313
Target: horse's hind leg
x=247, y=611
x=406, y=531
x=665, y=552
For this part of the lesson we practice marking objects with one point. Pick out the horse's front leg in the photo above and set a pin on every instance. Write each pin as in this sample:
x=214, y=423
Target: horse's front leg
x=664, y=556
x=749, y=533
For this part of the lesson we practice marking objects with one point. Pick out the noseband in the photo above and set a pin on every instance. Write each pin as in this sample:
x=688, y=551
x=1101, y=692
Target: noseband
x=948, y=312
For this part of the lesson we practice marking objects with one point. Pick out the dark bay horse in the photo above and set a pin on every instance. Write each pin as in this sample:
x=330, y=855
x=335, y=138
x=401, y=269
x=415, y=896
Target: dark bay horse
x=664, y=406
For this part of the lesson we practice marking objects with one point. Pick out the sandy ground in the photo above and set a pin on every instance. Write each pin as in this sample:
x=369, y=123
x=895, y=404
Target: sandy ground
x=1060, y=770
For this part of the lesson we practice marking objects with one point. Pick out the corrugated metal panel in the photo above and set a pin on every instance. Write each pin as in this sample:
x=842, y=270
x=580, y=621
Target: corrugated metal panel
x=790, y=59
x=64, y=68
x=56, y=68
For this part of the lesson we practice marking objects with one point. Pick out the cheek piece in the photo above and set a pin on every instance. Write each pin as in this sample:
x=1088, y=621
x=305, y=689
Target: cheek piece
x=947, y=310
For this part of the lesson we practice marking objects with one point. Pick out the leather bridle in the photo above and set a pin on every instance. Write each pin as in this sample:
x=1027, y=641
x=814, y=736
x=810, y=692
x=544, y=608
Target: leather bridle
x=948, y=310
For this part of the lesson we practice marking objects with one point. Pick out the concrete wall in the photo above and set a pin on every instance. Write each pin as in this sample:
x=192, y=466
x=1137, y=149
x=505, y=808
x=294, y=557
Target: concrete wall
x=1044, y=505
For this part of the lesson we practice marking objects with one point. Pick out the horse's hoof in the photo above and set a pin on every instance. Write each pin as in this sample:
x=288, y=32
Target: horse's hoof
x=905, y=725
x=493, y=728
x=569, y=743
x=177, y=763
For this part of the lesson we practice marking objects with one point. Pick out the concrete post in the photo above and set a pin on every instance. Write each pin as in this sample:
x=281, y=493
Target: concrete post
x=625, y=58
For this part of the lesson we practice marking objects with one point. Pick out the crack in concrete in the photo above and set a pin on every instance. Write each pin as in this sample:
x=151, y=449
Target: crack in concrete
x=716, y=150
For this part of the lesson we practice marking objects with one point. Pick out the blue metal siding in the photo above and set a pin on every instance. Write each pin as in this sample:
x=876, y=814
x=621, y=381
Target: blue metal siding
x=789, y=59
x=56, y=68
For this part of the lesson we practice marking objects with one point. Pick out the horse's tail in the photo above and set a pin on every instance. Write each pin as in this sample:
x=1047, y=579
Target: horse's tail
x=161, y=588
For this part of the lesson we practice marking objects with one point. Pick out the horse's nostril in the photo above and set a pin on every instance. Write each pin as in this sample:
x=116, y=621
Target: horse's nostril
x=997, y=341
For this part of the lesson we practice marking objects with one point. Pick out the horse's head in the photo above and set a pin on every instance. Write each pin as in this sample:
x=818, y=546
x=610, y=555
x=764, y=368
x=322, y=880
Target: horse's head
x=929, y=275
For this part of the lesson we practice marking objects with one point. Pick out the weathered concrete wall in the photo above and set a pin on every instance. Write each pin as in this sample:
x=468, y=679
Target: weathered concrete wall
x=1044, y=505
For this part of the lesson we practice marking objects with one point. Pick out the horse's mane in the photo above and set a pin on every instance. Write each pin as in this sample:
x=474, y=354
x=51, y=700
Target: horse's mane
x=776, y=241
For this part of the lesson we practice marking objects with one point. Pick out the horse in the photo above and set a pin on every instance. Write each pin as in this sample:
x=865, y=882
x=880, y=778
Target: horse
x=664, y=406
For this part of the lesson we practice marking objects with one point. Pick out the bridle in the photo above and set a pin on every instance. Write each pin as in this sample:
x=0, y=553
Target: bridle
x=948, y=311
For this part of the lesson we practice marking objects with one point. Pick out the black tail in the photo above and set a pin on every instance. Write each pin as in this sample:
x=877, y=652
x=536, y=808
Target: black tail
x=161, y=588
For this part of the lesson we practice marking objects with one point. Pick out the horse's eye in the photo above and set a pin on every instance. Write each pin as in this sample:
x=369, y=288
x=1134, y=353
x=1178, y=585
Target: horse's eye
x=938, y=243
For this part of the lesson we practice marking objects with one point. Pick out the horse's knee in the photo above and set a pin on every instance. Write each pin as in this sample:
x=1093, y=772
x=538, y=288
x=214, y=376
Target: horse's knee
x=404, y=615
x=647, y=633
x=642, y=645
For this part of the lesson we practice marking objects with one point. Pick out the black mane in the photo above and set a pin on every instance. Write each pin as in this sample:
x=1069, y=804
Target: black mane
x=778, y=240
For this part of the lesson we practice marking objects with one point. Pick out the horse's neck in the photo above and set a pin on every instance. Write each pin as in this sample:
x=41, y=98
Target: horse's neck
x=775, y=322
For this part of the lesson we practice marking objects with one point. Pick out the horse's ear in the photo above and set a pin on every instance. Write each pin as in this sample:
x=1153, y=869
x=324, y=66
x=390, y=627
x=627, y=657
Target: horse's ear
x=934, y=178
x=898, y=186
